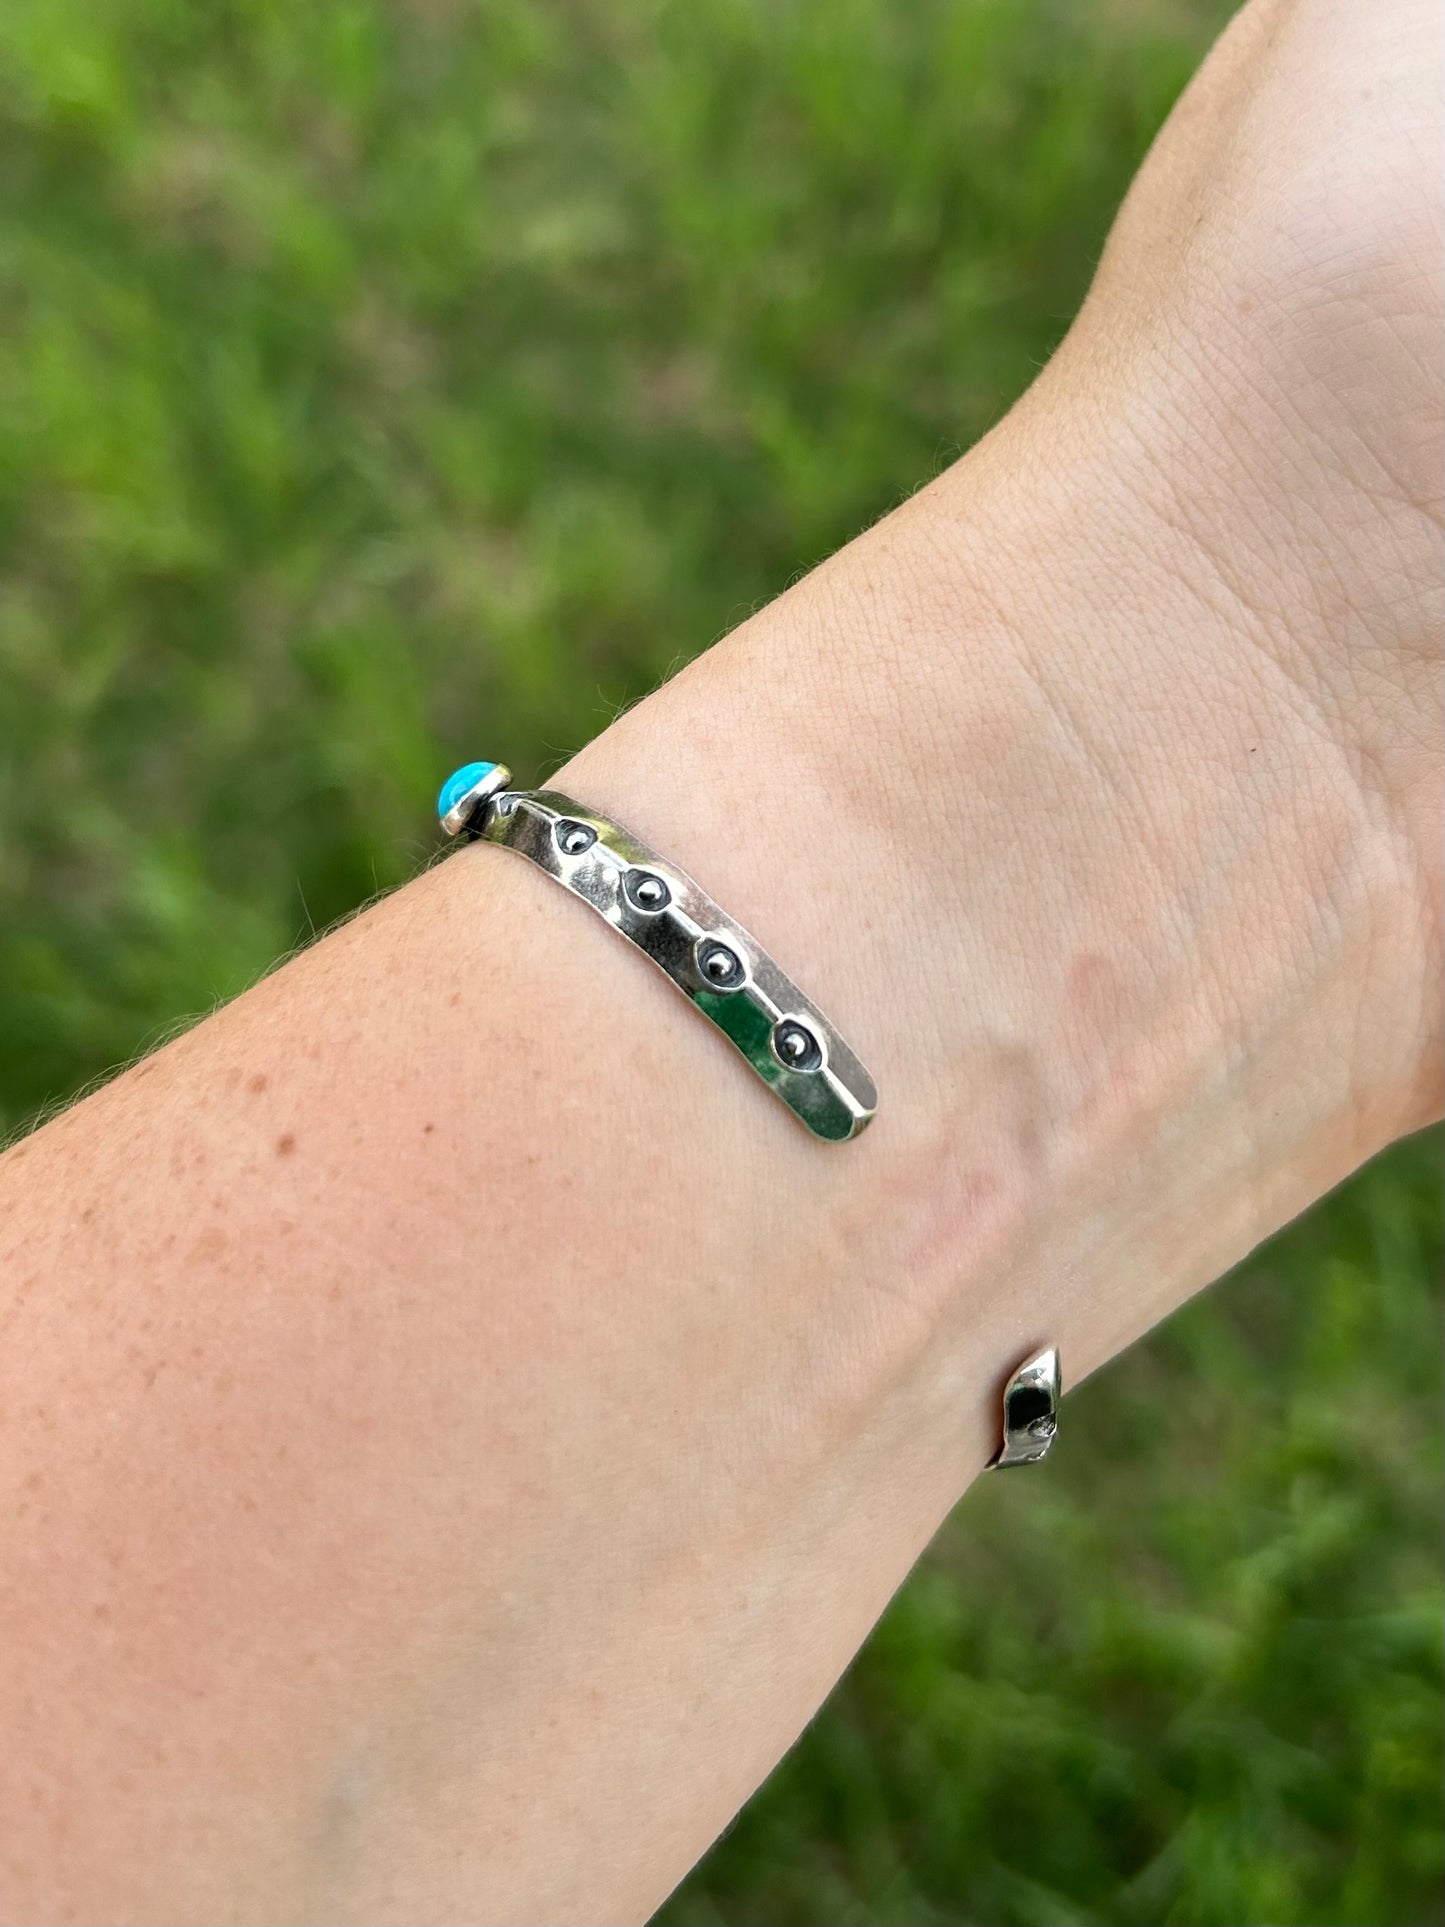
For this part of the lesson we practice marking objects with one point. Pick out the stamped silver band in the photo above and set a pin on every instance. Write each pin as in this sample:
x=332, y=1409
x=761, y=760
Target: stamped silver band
x=715, y=962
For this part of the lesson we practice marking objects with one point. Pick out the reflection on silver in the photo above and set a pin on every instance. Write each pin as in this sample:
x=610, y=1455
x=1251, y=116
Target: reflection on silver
x=1030, y=1411
x=715, y=962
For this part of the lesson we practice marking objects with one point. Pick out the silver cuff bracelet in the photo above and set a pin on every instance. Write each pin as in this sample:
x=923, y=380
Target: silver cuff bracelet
x=715, y=962
x=734, y=982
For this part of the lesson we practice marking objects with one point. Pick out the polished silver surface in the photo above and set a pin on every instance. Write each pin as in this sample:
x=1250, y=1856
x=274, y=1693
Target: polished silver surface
x=468, y=804
x=715, y=962
x=1030, y=1411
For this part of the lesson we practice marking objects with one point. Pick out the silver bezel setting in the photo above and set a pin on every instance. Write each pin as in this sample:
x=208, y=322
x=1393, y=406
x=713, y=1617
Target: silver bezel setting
x=469, y=805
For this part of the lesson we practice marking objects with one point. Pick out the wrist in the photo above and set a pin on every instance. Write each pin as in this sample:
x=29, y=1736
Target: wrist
x=1007, y=791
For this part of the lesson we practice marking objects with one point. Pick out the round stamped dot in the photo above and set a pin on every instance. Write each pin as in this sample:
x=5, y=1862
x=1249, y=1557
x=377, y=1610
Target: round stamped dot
x=719, y=966
x=795, y=1046
x=645, y=891
x=573, y=838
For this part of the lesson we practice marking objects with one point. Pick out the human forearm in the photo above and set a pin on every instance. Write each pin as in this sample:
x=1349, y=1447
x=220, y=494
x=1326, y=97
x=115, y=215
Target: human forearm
x=1105, y=876
x=477, y=1416
x=457, y=1427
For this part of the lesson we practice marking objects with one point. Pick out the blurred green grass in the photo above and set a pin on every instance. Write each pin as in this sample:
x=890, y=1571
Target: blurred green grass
x=386, y=384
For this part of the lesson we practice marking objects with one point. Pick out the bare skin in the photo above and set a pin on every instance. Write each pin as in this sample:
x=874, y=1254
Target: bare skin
x=454, y=1427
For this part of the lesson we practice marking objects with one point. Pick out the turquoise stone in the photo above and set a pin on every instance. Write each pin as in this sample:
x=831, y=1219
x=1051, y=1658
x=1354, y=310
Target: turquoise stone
x=459, y=782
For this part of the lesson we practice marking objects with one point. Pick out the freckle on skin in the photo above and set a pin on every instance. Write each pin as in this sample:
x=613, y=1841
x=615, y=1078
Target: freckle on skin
x=455, y=998
x=427, y=1129
x=285, y=1144
x=208, y=1247
x=257, y=1084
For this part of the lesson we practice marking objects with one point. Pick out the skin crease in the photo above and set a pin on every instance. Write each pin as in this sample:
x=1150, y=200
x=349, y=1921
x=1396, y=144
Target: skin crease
x=454, y=1427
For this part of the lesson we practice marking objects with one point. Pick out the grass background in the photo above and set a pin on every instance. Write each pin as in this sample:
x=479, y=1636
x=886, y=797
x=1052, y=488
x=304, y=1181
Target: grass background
x=390, y=383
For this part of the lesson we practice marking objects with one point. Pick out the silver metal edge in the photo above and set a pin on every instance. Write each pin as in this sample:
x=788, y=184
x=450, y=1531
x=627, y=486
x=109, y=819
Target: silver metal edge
x=459, y=817
x=1027, y=1445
